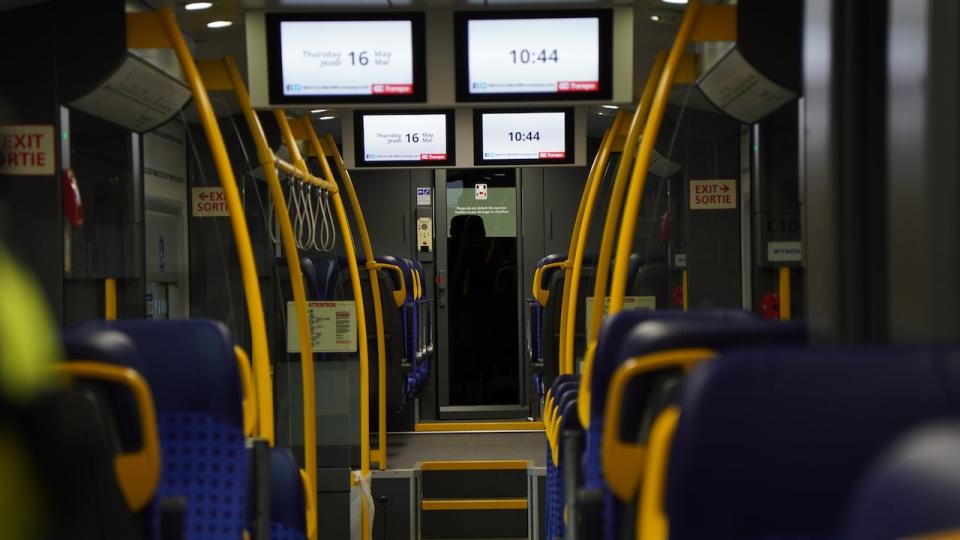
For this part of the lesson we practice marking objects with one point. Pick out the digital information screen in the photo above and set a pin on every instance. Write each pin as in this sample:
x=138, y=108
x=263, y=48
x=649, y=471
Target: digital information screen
x=566, y=57
x=515, y=137
x=345, y=60
x=404, y=138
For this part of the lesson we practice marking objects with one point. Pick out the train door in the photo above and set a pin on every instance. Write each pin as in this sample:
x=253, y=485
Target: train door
x=481, y=375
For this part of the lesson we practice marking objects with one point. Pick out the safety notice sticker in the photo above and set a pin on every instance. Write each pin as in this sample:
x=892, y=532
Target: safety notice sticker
x=713, y=194
x=333, y=326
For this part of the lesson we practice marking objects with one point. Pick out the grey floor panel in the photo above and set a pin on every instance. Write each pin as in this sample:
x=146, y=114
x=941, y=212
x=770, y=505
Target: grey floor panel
x=404, y=451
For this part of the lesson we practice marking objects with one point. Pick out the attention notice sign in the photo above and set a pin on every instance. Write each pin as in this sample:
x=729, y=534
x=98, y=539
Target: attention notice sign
x=333, y=326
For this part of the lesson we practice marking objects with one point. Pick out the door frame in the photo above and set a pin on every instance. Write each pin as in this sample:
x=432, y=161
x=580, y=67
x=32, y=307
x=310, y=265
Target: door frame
x=446, y=411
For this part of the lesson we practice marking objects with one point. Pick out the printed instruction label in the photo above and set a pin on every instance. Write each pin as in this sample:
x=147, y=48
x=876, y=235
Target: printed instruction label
x=333, y=326
x=630, y=303
x=424, y=196
x=784, y=251
x=209, y=202
x=27, y=150
x=713, y=194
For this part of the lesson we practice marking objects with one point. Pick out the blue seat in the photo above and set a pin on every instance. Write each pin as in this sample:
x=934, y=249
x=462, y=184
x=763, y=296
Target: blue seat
x=287, y=505
x=556, y=496
x=631, y=335
x=912, y=490
x=771, y=442
x=192, y=371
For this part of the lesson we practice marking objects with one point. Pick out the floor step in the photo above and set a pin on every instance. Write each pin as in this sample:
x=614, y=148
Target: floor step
x=474, y=499
x=517, y=425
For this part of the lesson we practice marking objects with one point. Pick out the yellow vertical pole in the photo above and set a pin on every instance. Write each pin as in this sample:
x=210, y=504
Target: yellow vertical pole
x=651, y=130
x=238, y=222
x=328, y=147
x=609, y=233
x=570, y=301
x=683, y=289
x=265, y=158
x=110, y=299
x=785, y=292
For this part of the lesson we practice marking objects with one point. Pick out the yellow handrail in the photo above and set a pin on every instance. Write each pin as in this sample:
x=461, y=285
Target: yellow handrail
x=609, y=234
x=266, y=159
x=110, y=299
x=651, y=130
x=354, y=270
x=567, y=331
x=238, y=222
x=328, y=147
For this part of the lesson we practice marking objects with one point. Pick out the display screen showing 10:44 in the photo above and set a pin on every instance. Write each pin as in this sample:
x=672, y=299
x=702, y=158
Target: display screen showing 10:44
x=526, y=56
x=518, y=136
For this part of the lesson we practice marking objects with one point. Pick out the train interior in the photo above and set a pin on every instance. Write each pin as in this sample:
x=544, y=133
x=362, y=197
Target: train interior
x=479, y=269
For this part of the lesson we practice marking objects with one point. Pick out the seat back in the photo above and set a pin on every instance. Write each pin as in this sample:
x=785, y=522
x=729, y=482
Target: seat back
x=287, y=505
x=912, y=489
x=772, y=441
x=192, y=371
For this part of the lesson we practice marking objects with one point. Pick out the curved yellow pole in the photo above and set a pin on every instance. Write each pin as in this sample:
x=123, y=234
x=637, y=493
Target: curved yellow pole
x=566, y=263
x=570, y=301
x=609, y=234
x=364, y=358
x=328, y=147
x=238, y=222
x=266, y=160
x=651, y=130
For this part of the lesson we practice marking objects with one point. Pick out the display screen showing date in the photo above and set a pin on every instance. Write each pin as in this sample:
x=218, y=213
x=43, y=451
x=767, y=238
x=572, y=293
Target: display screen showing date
x=536, y=55
x=415, y=138
x=347, y=58
x=524, y=136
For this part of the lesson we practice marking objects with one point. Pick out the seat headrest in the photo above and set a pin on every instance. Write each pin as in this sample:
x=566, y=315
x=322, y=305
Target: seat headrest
x=631, y=334
x=96, y=342
x=563, y=379
x=771, y=441
x=189, y=364
x=912, y=489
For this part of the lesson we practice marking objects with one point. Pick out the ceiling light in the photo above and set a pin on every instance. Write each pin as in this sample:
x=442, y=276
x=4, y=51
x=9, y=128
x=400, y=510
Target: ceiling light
x=655, y=18
x=674, y=1
x=317, y=111
x=197, y=6
x=610, y=107
x=327, y=117
x=219, y=24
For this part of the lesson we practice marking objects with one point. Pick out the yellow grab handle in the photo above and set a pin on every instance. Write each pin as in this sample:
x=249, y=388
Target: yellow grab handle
x=624, y=462
x=539, y=293
x=249, y=394
x=138, y=472
x=399, y=297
